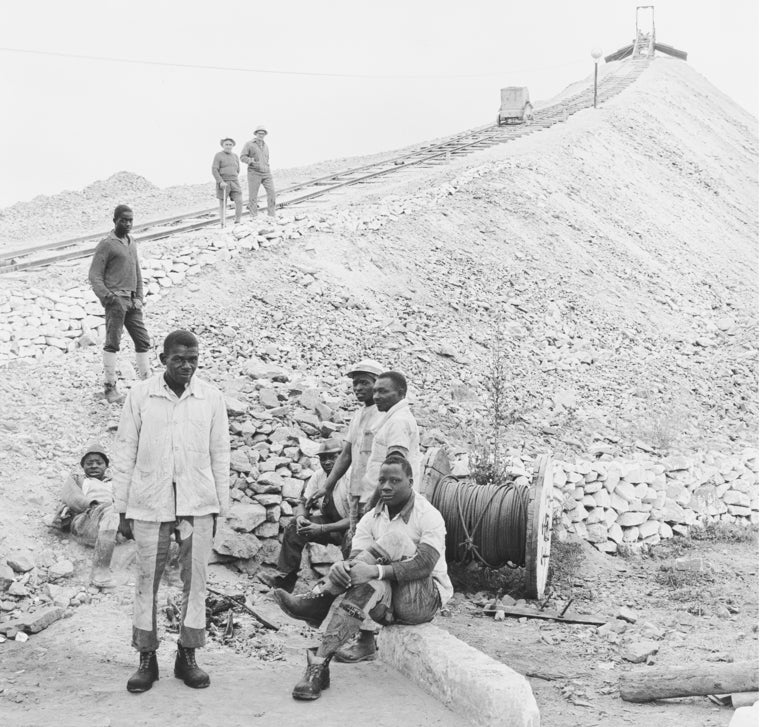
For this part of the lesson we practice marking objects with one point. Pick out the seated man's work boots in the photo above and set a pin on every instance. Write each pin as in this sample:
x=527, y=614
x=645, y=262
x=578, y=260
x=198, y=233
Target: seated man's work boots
x=315, y=678
x=360, y=649
x=285, y=582
x=188, y=671
x=310, y=607
x=147, y=673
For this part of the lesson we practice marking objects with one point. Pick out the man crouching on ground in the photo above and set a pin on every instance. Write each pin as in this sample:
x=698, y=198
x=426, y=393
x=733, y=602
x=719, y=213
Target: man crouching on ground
x=396, y=574
x=171, y=474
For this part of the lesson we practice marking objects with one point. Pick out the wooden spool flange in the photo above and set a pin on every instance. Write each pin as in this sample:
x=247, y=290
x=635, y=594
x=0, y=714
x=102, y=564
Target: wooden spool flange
x=435, y=465
x=538, y=531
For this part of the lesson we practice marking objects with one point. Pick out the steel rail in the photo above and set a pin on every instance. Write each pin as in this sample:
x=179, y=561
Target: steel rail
x=461, y=143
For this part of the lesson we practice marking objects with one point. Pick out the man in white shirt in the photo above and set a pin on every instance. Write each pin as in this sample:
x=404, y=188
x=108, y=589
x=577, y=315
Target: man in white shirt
x=396, y=430
x=358, y=445
x=396, y=574
x=171, y=471
x=329, y=526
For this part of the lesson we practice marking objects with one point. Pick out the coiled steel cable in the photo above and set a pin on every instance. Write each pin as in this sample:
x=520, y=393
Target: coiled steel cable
x=486, y=523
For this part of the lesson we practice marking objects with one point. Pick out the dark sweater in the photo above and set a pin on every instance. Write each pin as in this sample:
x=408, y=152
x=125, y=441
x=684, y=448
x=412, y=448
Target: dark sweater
x=115, y=269
x=225, y=167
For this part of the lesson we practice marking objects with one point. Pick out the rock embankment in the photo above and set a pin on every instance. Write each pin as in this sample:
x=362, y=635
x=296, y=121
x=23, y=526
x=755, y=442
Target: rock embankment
x=625, y=505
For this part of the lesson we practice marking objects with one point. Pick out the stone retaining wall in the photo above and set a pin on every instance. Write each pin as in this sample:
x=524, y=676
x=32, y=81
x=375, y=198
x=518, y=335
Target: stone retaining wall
x=49, y=319
x=622, y=504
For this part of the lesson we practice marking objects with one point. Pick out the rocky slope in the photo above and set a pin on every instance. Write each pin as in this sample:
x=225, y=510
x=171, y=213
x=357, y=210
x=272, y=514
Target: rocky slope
x=610, y=262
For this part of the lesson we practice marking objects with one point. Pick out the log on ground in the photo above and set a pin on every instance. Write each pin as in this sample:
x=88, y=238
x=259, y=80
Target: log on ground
x=646, y=685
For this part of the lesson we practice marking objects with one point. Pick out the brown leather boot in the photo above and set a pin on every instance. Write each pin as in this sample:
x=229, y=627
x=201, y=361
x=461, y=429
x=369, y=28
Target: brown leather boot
x=188, y=671
x=361, y=649
x=309, y=607
x=285, y=582
x=315, y=678
x=147, y=673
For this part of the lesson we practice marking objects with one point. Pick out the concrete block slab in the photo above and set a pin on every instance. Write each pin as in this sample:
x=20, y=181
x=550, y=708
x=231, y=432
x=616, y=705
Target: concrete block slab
x=483, y=691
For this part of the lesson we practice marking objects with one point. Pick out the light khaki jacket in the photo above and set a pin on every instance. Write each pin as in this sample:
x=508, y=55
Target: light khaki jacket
x=172, y=456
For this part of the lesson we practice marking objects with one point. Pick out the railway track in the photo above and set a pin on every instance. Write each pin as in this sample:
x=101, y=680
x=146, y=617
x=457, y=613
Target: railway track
x=425, y=156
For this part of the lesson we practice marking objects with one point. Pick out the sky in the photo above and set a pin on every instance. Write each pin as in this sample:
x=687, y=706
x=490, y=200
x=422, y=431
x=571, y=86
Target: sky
x=330, y=79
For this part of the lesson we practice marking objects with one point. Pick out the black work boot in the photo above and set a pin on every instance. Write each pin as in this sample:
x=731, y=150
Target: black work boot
x=310, y=607
x=188, y=671
x=315, y=678
x=147, y=673
x=361, y=649
x=285, y=582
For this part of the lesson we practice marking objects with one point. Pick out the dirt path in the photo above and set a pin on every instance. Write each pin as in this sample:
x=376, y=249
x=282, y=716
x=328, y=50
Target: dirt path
x=74, y=674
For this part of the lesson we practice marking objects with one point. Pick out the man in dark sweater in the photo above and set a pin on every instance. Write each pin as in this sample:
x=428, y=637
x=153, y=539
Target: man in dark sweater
x=256, y=155
x=116, y=279
x=226, y=168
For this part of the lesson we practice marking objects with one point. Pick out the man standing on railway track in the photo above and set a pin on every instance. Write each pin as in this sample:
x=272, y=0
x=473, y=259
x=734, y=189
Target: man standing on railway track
x=116, y=279
x=171, y=478
x=256, y=155
x=226, y=168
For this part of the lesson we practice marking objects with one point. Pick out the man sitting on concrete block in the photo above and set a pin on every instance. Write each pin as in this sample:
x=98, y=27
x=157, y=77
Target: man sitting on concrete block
x=329, y=527
x=396, y=574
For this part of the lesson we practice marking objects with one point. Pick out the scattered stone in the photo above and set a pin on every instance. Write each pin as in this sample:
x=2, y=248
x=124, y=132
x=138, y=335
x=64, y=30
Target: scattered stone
x=627, y=614
x=637, y=652
x=21, y=561
x=61, y=569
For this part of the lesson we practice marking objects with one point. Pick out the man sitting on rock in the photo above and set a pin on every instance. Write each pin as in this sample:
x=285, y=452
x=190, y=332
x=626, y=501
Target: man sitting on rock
x=396, y=574
x=88, y=511
x=331, y=526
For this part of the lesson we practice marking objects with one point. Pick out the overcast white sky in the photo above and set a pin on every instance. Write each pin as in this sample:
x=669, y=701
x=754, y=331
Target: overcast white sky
x=433, y=67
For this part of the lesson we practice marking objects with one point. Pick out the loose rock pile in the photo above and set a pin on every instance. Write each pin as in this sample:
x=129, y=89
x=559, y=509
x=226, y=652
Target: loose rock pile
x=624, y=505
x=33, y=592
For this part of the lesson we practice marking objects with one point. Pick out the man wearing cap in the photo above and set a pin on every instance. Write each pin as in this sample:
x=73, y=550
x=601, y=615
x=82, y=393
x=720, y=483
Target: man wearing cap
x=256, y=155
x=88, y=511
x=329, y=526
x=358, y=445
x=225, y=169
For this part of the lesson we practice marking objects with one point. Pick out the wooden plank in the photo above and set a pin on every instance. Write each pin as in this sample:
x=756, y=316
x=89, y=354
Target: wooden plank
x=569, y=617
x=689, y=681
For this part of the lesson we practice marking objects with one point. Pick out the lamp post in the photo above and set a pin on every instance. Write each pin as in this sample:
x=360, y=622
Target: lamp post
x=596, y=54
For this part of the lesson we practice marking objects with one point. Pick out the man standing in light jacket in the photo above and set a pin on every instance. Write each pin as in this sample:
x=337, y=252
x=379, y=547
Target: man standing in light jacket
x=256, y=155
x=171, y=474
x=116, y=279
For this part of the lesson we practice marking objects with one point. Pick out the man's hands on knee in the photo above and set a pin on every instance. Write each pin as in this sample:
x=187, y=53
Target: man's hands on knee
x=125, y=527
x=363, y=573
x=340, y=574
x=352, y=573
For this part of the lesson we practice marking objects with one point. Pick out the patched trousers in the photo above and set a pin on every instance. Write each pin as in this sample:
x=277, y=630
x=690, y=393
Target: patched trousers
x=195, y=535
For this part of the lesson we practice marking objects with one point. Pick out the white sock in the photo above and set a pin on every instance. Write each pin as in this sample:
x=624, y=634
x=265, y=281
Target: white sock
x=109, y=366
x=143, y=364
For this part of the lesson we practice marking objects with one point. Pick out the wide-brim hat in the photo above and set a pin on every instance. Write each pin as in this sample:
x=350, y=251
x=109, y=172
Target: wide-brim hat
x=366, y=366
x=330, y=446
x=226, y=138
x=260, y=128
x=94, y=448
